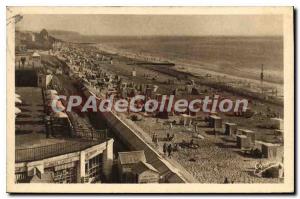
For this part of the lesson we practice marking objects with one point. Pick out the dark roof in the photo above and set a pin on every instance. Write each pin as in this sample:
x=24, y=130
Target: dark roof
x=132, y=157
x=140, y=167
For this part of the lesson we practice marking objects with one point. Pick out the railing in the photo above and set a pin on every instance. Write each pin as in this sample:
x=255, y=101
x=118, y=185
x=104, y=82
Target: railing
x=39, y=153
x=91, y=133
x=82, y=129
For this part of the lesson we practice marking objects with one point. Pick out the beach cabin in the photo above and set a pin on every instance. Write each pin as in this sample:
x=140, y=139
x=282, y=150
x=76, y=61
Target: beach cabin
x=22, y=60
x=44, y=80
x=277, y=122
x=243, y=142
x=36, y=60
x=215, y=122
x=250, y=134
x=230, y=128
x=133, y=73
x=126, y=162
x=189, y=88
x=145, y=173
x=269, y=150
x=186, y=120
x=279, y=132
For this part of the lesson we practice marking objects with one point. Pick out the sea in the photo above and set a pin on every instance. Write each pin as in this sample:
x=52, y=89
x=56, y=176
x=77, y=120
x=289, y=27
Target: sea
x=232, y=55
x=240, y=56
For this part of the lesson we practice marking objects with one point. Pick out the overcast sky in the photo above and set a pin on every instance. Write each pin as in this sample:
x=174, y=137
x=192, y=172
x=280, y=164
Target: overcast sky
x=196, y=25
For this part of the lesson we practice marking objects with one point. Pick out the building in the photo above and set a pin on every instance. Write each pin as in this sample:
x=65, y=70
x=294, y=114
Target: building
x=269, y=150
x=230, y=128
x=250, y=134
x=133, y=168
x=186, y=119
x=277, y=123
x=27, y=60
x=243, y=142
x=56, y=45
x=22, y=60
x=189, y=89
x=44, y=152
x=279, y=132
x=36, y=60
x=215, y=122
x=86, y=164
x=145, y=173
x=44, y=34
x=133, y=73
x=44, y=80
x=32, y=37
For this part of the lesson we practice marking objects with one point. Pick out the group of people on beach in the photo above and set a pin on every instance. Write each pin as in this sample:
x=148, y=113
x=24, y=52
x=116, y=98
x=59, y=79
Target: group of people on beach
x=168, y=148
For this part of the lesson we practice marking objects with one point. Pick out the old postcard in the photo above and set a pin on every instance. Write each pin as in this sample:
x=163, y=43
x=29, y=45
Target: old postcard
x=150, y=100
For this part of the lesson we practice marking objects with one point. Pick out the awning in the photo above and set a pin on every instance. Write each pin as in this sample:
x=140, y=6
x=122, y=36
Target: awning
x=17, y=110
x=17, y=100
x=58, y=104
x=59, y=115
x=51, y=92
x=35, y=54
x=52, y=97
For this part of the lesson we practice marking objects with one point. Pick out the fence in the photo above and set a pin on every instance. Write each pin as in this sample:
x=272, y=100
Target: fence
x=39, y=153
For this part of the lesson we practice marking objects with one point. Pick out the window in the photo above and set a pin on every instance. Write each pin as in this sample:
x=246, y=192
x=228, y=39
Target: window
x=94, y=167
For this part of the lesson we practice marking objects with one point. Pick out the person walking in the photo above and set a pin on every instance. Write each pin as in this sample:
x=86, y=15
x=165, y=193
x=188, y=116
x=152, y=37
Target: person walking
x=156, y=140
x=226, y=180
x=171, y=125
x=169, y=150
x=196, y=129
x=153, y=137
x=165, y=148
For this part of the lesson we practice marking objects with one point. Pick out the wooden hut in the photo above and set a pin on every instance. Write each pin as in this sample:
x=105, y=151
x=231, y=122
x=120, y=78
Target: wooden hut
x=277, y=122
x=215, y=122
x=248, y=133
x=243, y=142
x=145, y=173
x=269, y=150
x=230, y=128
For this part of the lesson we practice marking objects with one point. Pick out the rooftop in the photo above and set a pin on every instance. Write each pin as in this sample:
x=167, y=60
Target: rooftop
x=245, y=130
x=132, y=157
x=30, y=130
x=141, y=166
x=230, y=124
x=35, y=54
x=215, y=117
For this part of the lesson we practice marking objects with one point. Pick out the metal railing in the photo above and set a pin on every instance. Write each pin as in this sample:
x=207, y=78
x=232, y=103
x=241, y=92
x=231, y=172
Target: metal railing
x=39, y=153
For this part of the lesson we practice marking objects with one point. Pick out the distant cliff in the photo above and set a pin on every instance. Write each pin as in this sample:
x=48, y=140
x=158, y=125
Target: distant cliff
x=68, y=36
x=75, y=37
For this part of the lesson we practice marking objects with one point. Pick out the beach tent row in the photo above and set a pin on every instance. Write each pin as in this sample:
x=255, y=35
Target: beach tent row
x=51, y=100
x=17, y=101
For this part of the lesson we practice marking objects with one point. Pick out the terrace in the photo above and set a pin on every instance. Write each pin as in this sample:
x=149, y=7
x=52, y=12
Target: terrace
x=31, y=141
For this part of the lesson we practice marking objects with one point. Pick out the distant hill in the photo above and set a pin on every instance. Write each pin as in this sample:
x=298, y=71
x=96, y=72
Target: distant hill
x=68, y=36
x=75, y=37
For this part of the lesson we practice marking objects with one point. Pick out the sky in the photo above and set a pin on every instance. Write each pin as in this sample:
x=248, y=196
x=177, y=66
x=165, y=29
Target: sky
x=166, y=25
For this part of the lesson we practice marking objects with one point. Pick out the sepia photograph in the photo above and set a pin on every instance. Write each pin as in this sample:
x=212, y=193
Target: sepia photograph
x=150, y=100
